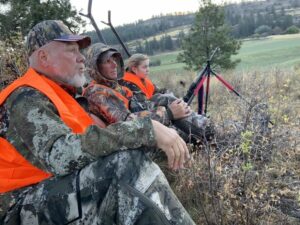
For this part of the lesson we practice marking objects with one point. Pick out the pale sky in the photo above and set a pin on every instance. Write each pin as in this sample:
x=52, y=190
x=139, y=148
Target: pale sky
x=129, y=11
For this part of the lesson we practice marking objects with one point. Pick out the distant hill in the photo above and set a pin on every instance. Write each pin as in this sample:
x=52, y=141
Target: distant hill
x=165, y=32
x=145, y=28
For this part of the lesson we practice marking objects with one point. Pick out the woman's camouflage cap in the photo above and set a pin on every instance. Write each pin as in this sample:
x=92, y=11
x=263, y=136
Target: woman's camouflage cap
x=52, y=30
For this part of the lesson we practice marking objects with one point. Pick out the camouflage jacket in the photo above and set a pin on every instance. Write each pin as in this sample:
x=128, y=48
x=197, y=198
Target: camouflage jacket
x=31, y=123
x=107, y=105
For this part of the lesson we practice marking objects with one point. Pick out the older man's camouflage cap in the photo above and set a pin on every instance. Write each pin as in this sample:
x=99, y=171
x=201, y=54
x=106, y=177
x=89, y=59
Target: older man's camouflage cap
x=52, y=30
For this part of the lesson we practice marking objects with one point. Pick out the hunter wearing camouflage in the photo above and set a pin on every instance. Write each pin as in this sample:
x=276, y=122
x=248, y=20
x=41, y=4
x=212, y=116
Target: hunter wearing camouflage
x=137, y=80
x=113, y=102
x=149, y=96
x=84, y=174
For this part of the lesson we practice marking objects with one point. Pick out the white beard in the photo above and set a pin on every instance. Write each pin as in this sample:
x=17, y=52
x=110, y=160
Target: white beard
x=77, y=81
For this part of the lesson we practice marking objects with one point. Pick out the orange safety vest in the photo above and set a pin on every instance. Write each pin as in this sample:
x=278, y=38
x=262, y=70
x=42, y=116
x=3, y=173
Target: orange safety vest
x=15, y=170
x=123, y=98
x=146, y=86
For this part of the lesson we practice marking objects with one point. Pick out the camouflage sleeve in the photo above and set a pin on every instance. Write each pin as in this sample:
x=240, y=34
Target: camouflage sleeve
x=104, y=104
x=142, y=106
x=129, y=85
x=35, y=123
x=158, y=113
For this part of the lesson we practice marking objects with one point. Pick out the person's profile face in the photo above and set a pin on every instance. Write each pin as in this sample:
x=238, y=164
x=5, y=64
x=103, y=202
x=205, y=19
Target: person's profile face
x=109, y=68
x=66, y=63
x=142, y=70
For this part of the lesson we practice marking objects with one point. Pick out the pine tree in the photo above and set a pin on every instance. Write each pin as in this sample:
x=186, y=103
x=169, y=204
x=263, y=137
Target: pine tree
x=21, y=16
x=208, y=32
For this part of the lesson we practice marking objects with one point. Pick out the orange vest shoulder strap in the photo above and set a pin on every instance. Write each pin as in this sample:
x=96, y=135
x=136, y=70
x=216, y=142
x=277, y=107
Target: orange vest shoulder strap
x=128, y=92
x=69, y=110
x=147, y=88
x=150, y=87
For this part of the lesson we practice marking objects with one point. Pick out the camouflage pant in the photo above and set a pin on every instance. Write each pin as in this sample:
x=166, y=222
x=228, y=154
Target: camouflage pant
x=123, y=188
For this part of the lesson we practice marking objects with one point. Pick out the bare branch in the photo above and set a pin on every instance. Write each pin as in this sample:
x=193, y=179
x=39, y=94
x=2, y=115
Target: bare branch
x=90, y=16
x=115, y=33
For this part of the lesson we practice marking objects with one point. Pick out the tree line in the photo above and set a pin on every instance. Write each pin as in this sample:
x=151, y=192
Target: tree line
x=245, y=19
x=210, y=27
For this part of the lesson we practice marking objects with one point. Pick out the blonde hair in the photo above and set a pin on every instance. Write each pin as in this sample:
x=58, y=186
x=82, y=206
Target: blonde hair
x=135, y=60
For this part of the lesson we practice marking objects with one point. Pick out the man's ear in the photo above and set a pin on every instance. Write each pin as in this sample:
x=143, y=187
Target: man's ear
x=43, y=57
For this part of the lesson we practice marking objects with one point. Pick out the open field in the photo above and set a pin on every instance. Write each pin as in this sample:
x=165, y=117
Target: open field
x=281, y=51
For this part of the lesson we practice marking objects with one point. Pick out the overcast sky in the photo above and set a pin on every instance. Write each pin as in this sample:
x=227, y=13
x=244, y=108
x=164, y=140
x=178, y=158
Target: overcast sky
x=129, y=11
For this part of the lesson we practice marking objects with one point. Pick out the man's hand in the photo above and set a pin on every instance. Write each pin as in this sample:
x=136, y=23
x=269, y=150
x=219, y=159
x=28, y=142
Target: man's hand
x=172, y=144
x=179, y=109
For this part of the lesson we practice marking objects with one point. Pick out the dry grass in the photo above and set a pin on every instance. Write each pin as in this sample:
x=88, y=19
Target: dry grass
x=250, y=173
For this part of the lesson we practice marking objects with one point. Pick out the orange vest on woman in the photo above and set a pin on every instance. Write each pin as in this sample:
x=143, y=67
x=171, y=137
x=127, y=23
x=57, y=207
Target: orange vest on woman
x=15, y=170
x=123, y=98
x=146, y=86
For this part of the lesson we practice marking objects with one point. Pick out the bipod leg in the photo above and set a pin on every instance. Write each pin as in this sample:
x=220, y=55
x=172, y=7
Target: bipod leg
x=207, y=91
x=196, y=91
x=190, y=92
x=229, y=87
x=201, y=100
x=233, y=90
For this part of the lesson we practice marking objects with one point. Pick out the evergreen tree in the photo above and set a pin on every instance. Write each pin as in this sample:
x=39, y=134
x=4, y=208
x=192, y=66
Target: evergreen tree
x=169, y=43
x=148, y=49
x=179, y=39
x=139, y=47
x=21, y=16
x=155, y=44
x=208, y=32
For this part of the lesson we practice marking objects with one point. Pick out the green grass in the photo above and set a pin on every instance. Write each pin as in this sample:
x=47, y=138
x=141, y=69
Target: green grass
x=281, y=51
x=168, y=63
x=276, y=51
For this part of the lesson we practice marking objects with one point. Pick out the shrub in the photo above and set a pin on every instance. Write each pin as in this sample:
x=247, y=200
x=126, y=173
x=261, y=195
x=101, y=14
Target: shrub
x=263, y=29
x=292, y=30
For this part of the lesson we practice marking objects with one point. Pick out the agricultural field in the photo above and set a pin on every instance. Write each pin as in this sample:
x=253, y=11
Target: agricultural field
x=280, y=51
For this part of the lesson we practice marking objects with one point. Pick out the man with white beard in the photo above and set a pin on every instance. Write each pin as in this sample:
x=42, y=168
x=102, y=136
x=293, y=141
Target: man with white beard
x=58, y=166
